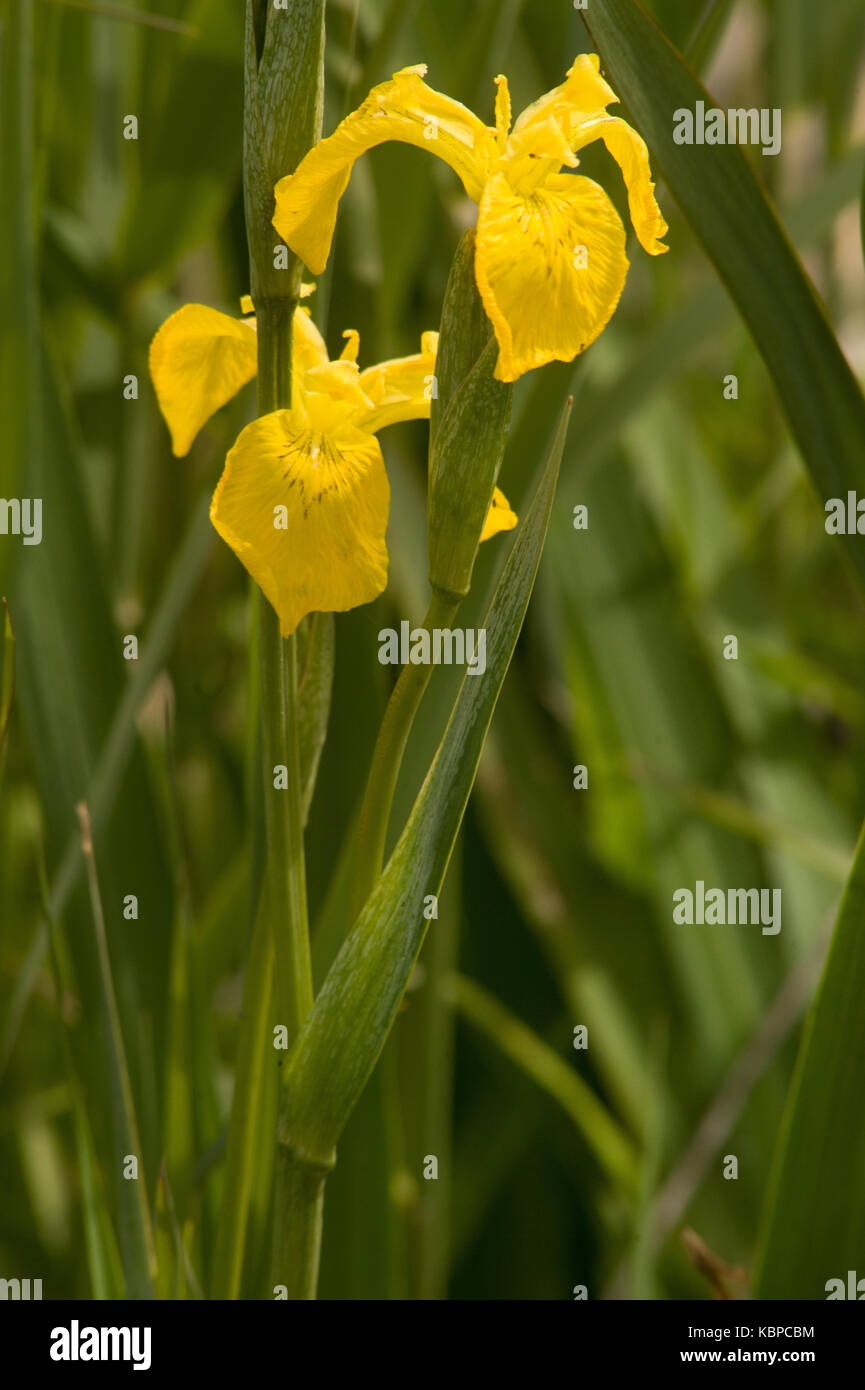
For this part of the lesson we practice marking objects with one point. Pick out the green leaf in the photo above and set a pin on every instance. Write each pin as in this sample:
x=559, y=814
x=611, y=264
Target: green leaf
x=105, y=785
x=694, y=326
x=283, y=85
x=136, y=1234
x=182, y=171
x=103, y=1257
x=354, y=1012
x=722, y=199
x=468, y=429
x=7, y=678
x=814, y=1218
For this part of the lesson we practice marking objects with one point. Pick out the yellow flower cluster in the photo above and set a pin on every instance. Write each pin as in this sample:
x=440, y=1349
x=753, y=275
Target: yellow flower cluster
x=303, y=500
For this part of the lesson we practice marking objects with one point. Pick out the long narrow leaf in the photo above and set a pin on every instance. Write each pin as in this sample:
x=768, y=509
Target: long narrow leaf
x=814, y=1220
x=139, y=1259
x=728, y=210
x=353, y=1014
x=608, y=1142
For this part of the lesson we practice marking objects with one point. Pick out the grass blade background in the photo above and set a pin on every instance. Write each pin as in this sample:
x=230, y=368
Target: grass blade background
x=722, y=199
x=702, y=522
x=814, y=1220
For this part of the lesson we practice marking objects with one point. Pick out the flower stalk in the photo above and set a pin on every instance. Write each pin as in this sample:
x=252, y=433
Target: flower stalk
x=282, y=119
x=469, y=421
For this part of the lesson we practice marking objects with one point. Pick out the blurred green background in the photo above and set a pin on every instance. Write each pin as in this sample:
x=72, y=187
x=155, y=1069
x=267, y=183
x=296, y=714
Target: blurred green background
x=702, y=523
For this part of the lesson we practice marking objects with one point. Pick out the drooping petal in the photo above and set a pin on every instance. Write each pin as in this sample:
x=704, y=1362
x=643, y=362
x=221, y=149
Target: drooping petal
x=400, y=389
x=550, y=268
x=574, y=114
x=199, y=359
x=499, y=517
x=628, y=149
x=404, y=109
x=306, y=512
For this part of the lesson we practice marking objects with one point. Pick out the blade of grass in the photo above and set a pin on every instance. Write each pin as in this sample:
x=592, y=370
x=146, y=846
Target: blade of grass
x=136, y=1234
x=670, y=347
x=103, y=1258
x=610, y=1145
x=107, y=776
x=820, y=1157
x=7, y=679
x=732, y=217
x=108, y=11
x=733, y=814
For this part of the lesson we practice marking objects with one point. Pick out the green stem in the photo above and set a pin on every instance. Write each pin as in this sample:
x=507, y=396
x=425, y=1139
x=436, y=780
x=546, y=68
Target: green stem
x=285, y=874
x=299, y=1194
x=298, y=1214
x=387, y=760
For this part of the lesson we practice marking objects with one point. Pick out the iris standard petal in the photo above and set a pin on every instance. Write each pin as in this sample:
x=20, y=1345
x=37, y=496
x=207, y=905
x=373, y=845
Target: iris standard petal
x=550, y=268
x=400, y=389
x=199, y=359
x=403, y=109
x=306, y=513
x=583, y=91
x=499, y=517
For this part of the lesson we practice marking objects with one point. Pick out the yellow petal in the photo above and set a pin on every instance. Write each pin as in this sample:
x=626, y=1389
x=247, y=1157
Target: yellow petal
x=352, y=345
x=630, y=153
x=550, y=268
x=404, y=109
x=306, y=514
x=503, y=111
x=574, y=114
x=400, y=389
x=308, y=347
x=199, y=359
x=499, y=517
x=339, y=381
x=583, y=91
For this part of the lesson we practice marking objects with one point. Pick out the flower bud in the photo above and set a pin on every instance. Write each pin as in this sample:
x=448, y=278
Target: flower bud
x=282, y=113
x=468, y=428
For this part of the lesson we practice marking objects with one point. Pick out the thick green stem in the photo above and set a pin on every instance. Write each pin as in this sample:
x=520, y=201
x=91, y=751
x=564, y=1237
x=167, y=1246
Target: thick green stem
x=285, y=872
x=387, y=760
x=285, y=876
x=283, y=98
x=299, y=1192
x=298, y=1213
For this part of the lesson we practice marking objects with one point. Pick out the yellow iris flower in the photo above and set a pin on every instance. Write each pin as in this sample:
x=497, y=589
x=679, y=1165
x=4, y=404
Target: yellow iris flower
x=550, y=261
x=303, y=500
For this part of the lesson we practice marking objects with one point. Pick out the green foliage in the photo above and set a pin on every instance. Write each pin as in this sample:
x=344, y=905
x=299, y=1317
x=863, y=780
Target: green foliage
x=556, y=907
